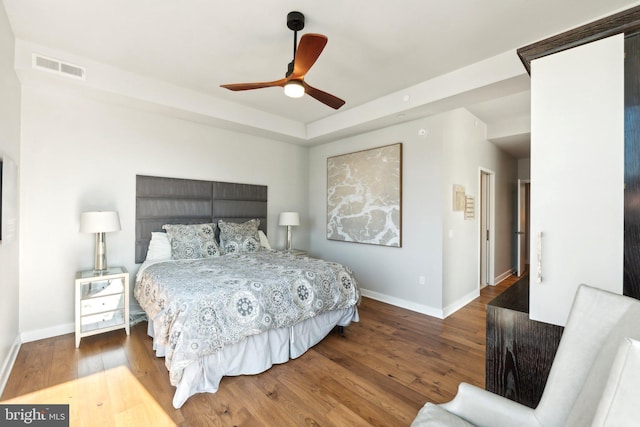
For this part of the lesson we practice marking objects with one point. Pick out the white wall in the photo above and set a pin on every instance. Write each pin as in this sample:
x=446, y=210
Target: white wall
x=9, y=248
x=577, y=167
x=387, y=273
x=466, y=152
x=80, y=154
x=524, y=169
x=430, y=168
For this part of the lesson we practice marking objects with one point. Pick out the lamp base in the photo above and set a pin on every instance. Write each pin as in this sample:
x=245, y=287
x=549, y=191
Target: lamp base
x=100, y=261
x=288, y=238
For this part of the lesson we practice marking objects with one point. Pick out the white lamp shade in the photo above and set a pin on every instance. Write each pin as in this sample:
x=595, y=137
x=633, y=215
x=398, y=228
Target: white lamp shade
x=289, y=218
x=99, y=222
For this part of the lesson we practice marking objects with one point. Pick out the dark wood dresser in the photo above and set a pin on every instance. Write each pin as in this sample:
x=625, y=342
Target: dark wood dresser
x=520, y=351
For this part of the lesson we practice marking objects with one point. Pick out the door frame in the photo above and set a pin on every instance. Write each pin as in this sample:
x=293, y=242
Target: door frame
x=522, y=225
x=486, y=215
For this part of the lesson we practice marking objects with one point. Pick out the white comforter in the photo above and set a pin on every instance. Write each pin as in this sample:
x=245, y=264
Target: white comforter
x=199, y=306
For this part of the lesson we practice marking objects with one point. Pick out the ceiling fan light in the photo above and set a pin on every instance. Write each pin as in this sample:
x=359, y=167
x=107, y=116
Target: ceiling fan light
x=293, y=89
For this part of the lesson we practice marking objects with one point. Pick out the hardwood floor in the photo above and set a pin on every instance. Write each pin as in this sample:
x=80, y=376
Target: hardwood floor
x=379, y=373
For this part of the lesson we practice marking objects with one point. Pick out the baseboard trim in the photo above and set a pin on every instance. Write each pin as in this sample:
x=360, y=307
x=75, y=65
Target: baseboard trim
x=503, y=276
x=53, y=331
x=461, y=302
x=7, y=366
x=399, y=302
x=69, y=328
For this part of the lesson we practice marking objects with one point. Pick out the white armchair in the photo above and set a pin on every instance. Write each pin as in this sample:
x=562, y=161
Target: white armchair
x=594, y=379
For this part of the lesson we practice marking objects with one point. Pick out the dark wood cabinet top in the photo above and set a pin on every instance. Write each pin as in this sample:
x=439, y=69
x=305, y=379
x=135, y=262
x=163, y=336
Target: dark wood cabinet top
x=515, y=298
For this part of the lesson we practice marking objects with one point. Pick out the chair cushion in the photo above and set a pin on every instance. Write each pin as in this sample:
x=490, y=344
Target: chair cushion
x=434, y=416
x=619, y=403
x=584, y=408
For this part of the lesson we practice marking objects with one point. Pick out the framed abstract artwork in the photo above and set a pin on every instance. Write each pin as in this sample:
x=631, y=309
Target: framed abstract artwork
x=364, y=196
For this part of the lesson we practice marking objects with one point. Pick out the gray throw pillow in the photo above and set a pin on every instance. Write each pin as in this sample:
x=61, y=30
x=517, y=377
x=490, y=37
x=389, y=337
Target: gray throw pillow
x=192, y=241
x=237, y=238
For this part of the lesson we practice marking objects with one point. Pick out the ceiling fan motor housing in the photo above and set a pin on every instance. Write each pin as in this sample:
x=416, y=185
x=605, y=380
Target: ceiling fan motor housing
x=295, y=21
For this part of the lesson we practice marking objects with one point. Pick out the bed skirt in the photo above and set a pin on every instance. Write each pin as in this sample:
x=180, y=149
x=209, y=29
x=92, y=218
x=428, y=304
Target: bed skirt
x=256, y=353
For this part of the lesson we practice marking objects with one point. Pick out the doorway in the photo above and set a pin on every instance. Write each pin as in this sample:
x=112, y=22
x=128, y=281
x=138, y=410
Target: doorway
x=522, y=227
x=486, y=227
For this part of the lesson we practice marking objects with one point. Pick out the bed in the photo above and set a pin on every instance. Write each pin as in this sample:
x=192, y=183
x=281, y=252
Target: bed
x=219, y=301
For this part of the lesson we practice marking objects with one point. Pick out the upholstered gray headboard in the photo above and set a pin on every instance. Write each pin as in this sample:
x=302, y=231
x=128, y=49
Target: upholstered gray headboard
x=162, y=201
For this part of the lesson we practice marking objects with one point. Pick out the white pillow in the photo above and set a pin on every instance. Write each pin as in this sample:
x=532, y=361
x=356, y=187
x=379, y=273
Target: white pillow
x=619, y=403
x=159, y=247
x=264, y=242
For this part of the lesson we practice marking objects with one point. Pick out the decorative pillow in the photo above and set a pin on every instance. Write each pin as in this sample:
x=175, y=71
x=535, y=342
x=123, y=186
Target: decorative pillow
x=192, y=241
x=159, y=247
x=236, y=238
x=619, y=403
x=264, y=242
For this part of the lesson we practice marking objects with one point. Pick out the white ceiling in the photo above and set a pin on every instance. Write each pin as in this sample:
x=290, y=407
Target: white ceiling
x=376, y=49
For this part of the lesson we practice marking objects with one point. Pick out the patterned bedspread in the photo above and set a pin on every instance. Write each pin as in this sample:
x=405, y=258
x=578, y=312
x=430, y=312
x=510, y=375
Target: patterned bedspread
x=198, y=306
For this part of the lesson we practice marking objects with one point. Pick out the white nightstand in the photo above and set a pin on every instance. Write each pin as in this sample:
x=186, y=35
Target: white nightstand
x=102, y=302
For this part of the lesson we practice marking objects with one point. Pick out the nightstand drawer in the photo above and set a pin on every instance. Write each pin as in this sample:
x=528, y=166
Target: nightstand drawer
x=102, y=287
x=100, y=304
x=102, y=320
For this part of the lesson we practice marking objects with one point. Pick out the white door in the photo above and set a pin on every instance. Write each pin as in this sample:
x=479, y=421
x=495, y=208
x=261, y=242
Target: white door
x=485, y=242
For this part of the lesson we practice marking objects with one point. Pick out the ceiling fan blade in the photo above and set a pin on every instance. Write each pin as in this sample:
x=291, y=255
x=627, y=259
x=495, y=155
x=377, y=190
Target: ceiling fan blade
x=309, y=49
x=324, y=97
x=249, y=86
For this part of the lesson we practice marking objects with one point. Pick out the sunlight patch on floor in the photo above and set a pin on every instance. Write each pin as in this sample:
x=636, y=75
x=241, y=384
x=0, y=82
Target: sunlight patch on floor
x=110, y=398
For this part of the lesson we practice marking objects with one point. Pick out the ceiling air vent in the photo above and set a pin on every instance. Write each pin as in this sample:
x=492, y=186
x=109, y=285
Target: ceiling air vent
x=56, y=66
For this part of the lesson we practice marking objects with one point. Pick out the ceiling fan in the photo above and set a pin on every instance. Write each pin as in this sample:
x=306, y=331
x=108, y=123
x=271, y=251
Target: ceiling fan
x=304, y=56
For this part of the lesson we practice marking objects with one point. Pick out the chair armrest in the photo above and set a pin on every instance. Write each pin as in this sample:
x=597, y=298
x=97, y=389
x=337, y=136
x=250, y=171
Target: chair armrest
x=485, y=409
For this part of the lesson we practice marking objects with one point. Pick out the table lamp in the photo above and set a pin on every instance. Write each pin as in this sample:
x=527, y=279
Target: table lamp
x=99, y=223
x=290, y=219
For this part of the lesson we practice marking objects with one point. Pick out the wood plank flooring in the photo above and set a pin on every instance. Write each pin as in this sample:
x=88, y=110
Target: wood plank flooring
x=379, y=373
